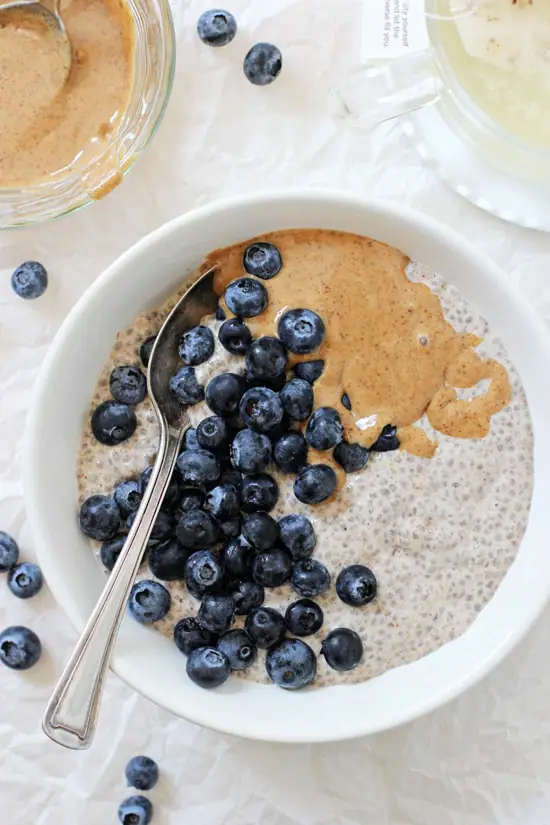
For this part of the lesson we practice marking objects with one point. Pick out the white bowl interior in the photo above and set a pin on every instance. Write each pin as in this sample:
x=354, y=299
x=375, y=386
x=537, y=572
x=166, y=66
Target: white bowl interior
x=151, y=664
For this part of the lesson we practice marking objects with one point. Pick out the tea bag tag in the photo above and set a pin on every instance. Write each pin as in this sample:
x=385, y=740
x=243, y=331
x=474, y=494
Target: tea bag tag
x=393, y=29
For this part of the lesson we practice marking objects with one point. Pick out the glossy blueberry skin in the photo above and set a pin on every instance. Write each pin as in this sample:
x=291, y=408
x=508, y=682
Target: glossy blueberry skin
x=204, y=571
x=149, y=601
x=112, y=423
x=110, y=550
x=250, y=452
x=263, y=64
x=214, y=433
x=272, y=567
x=298, y=536
x=29, y=280
x=197, y=529
x=20, y=648
x=262, y=260
x=303, y=618
x=198, y=468
x=246, y=297
x=185, y=386
x=189, y=634
x=324, y=429
x=128, y=495
x=247, y=596
x=387, y=440
x=216, y=27
x=239, y=649
x=25, y=580
x=224, y=393
x=291, y=664
x=301, y=330
x=235, y=336
x=265, y=626
x=163, y=527
x=310, y=371
x=297, y=399
x=290, y=452
x=230, y=528
x=315, y=483
x=208, y=667
x=223, y=501
x=310, y=577
x=266, y=359
x=128, y=385
x=99, y=517
x=189, y=500
x=136, y=810
x=167, y=560
x=342, y=649
x=259, y=493
x=196, y=346
x=261, y=410
x=146, y=349
x=217, y=612
x=260, y=530
x=9, y=552
x=237, y=556
x=356, y=585
x=345, y=401
x=190, y=441
x=351, y=457
x=142, y=773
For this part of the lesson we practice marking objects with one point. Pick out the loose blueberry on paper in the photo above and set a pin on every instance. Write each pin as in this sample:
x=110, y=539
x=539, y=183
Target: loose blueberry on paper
x=20, y=648
x=263, y=64
x=142, y=773
x=216, y=27
x=29, y=280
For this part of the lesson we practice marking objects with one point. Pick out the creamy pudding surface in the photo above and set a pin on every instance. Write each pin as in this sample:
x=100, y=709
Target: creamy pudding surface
x=440, y=520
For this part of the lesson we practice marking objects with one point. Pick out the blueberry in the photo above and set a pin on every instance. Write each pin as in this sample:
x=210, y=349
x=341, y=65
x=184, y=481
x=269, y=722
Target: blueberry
x=217, y=612
x=110, y=550
x=142, y=773
x=271, y=568
x=237, y=557
x=324, y=429
x=196, y=346
x=197, y=529
x=246, y=298
x=250, y=452
x=172, y=493
x=20, y=648
x=259, y=492
x=342, y=649
x=290, y=452
x=246, y=595
x=261, y=410
x=198, y=468
x=204, y=571
x=216, y=27
x=291, y=664
x=25, y=580
x=136, y=810
x=301, y=330
x=345, y=400
x=297, y=399
x=315, y=483
x=220, y=313
x=149, y=601
x=99, y=517
x=229, y=475
x=146, y=349
x=186, y=386
x=304, y=617
x=239, y=649
x=263, y=64
x=167, y=560
x=260, y=530
x=265, y=626
x=163, y=527
x=266, y=359
x=262, y=260
x=235, y=336
x=30, y=280
x=9, y=552
x=128, y=385
x=189, y=634
x=231, y=527
x=356, y=585
x=208, y=667
x=351, y=457
x=224, y=393
x=387, y=440
x=310, y=577
x=190, y=500
x=128, y=496
x=309, y=370
x=298, y=536
x=213, y=433
x=223, y=501
x=113, y=423
x=190, y=441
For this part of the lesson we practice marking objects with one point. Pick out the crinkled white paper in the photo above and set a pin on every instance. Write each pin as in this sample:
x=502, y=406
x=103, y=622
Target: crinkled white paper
x=483, y=759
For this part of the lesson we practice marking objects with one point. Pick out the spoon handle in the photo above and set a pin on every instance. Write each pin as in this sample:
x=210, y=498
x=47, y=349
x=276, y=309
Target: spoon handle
x=71, y=715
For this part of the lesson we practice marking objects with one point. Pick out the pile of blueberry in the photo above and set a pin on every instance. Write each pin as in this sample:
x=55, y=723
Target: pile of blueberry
x=141, y=773
x=20, y=647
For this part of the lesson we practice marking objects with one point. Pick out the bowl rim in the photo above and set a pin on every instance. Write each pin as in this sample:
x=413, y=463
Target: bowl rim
x=199, y=714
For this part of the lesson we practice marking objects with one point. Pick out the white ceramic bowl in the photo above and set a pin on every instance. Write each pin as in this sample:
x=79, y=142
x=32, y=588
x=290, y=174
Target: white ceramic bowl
x=151, y=664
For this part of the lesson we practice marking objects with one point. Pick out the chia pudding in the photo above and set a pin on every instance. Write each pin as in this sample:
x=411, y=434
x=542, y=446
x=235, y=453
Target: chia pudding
x=439, y=520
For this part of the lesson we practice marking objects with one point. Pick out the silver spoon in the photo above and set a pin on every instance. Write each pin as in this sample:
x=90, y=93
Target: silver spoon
x=71, y=715
x=53, y=20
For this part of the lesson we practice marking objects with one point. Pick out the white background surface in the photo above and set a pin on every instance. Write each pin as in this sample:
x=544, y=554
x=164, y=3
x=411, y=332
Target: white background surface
x=483, y=759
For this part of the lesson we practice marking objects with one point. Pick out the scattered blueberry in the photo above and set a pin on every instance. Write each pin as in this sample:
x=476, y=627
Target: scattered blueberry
x=196, y=346
x=146, y=349
x=324, y=429
x=99, y=517
x=246, y=595
x=142, y=773
x=110, y=550
x=297, y=399
x=186, y=387
x=262, y=260
x=216, y=27
x=149, y=601
x=266, y=359
x=250, y=452
x=259, y=492
x=235, y=336
x=20, y=648
x=208, y=667
x=30, y=280
x=356, y=585
x=263, y=64
x=189, y=634
x=9, y=552
x=260, y=530
x=213, y=433
x=113, y=422
x=246, y=298
x=351, y=457
x=167, y=560
x=315, y=483
x=291, y=664
x=25, y=580
x=261, y=410
x=290, y=452
x=387, y=440
x=197, y=529
x=239, y=649
x=198, y=468
x=128, y=385
x=310, y=577
x=346, y=401
x=237, y=557
x=217, y=612
x=190, y=439
x=223, y=501
x=342, y=648
x=224, y=393
x=136, y=810
x=303, y=618
x=298, y=536
x=230, y=527
x=271, y=568
x=309, y=370
x=128, y=496
x=203, y=572
x=265, y=626
x=301, y=330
